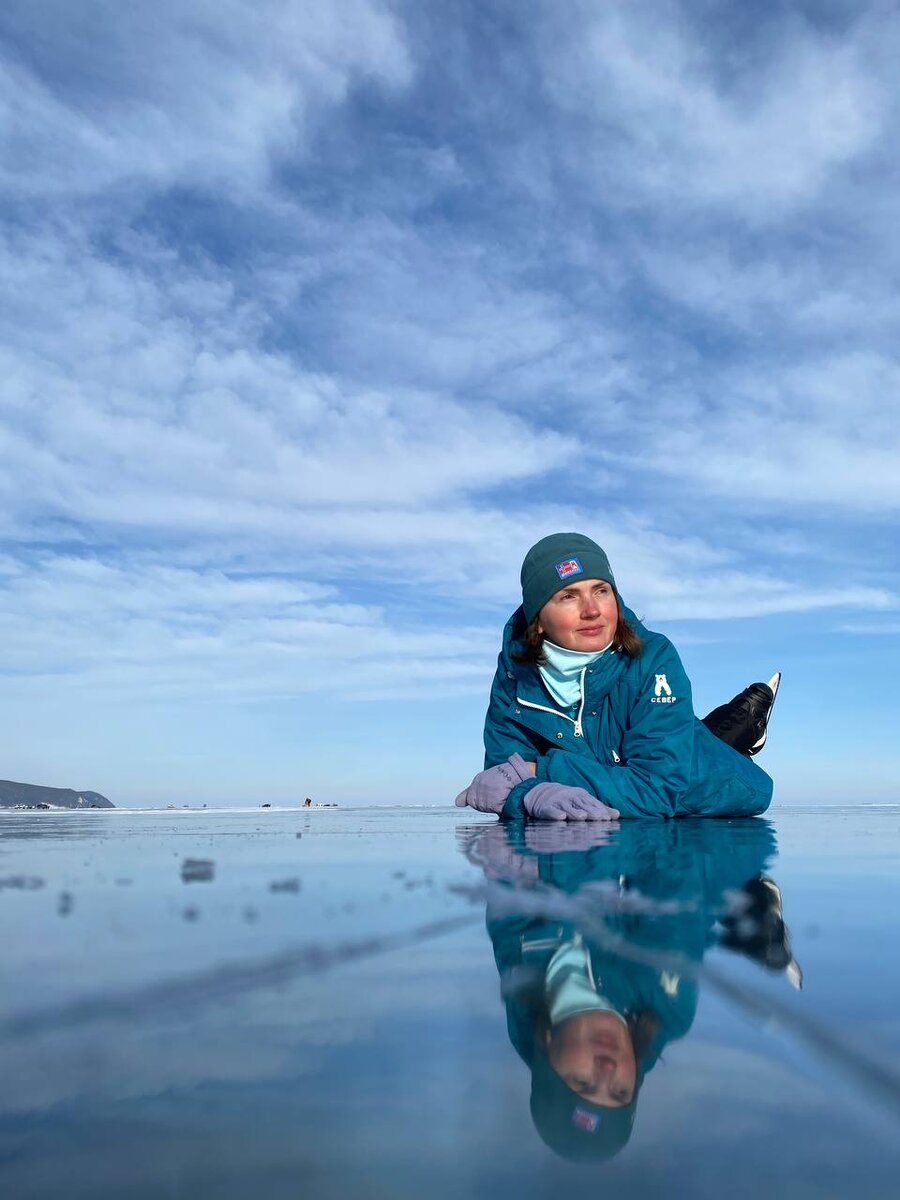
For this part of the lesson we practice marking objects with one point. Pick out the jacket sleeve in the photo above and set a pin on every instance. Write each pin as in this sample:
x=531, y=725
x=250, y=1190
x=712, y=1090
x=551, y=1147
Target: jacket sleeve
x=502, y=736
x=657, y=747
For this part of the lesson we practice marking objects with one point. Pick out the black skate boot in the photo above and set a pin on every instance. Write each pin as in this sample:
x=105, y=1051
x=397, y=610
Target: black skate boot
x=743, y=721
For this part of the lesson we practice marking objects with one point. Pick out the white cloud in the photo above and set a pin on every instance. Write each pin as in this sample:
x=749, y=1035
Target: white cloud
x=167, y=94
x=141, y=629
x=805, y=292
x=670, y=120
x=151, y=403
x=821, y=432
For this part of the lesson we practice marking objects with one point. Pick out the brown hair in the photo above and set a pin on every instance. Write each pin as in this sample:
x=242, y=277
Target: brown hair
x=626, y=641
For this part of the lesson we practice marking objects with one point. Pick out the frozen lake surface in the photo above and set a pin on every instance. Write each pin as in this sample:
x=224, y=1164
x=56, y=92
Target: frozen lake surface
x=339, y=1003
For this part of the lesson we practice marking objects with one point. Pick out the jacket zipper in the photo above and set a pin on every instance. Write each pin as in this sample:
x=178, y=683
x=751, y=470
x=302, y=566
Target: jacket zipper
x=576, y=721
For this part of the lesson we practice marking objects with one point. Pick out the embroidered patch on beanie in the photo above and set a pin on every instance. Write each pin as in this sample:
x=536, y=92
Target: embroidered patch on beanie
x=588, y=1121
x=569, y=566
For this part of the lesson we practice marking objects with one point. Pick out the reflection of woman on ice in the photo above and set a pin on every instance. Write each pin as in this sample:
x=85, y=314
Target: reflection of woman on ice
x=599, y=949
x=590, y=714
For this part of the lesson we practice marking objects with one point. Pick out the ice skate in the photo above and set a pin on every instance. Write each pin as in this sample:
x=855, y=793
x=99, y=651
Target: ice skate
x=743, y=722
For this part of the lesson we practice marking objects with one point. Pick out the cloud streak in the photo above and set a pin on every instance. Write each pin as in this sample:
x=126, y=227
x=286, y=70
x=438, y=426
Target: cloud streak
x=154, y=99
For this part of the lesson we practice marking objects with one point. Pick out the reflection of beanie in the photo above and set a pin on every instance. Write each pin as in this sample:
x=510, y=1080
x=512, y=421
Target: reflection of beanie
x=572, y=1127
x=554, y=562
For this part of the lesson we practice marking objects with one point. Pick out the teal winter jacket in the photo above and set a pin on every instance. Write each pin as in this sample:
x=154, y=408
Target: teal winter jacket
x=633, y=742
x=667, y=887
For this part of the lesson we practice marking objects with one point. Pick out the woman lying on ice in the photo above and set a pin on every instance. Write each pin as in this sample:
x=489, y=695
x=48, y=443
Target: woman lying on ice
x=590, y=716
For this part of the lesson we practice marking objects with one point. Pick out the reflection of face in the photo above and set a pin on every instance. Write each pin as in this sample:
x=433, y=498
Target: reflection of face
x=582, y=616
x=593, y=1054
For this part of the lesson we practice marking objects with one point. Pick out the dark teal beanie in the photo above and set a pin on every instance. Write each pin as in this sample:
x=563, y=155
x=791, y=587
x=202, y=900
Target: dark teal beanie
x=571, y=1126
x=556, y=561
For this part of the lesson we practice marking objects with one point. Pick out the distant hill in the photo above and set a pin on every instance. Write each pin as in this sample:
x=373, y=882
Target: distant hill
x=33, y=795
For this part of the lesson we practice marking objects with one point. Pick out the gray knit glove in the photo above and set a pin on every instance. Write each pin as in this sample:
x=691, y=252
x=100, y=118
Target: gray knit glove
x=488, y=790
x=558, y=802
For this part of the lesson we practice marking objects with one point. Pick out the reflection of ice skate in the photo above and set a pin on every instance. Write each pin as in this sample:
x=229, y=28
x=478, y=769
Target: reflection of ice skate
x=743, y=722
x=755, y=927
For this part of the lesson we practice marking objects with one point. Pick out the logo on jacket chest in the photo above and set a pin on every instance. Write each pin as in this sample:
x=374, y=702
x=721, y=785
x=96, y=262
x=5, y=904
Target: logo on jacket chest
x=662, y=693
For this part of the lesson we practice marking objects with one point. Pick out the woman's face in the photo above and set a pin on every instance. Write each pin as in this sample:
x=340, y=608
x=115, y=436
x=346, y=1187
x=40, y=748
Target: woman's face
x=581, y=616
x=593, y=1054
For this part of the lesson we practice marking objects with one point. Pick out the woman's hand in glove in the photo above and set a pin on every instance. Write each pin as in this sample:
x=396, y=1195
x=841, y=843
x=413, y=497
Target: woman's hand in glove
x=557, y=802
x=488, y=790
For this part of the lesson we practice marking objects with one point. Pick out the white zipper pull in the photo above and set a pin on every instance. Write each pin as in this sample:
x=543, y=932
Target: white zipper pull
x=616, y=757
x=580, y=713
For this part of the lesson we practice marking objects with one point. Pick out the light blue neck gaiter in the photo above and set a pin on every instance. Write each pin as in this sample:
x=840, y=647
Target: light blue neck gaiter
x=569, y=984
x=562, y=671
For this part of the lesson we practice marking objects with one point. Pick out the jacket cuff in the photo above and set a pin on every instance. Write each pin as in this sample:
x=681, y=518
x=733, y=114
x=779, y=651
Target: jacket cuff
x=514, y=808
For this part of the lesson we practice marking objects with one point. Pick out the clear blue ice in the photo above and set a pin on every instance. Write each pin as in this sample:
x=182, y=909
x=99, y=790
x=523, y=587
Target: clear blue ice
x=284, y=1003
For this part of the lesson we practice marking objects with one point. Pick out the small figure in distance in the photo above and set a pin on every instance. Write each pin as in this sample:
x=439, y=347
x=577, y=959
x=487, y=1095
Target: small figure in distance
x=590, y=715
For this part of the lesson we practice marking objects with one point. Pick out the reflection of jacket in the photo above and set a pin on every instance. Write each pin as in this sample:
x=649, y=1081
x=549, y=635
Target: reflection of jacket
x=638, y=745
x=657, y=890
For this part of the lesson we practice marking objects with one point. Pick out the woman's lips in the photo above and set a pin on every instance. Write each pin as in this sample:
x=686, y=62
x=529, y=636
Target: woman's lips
x=591, y=630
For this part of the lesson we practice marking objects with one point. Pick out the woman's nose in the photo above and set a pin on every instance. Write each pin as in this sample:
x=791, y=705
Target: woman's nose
x=604, y=1067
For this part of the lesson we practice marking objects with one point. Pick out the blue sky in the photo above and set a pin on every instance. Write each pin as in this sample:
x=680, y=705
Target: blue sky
x=315, y=317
